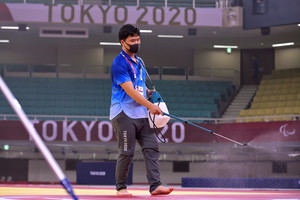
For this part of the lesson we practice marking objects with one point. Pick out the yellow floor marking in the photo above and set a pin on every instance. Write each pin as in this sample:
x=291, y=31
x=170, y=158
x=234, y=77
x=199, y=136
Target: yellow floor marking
x=8, y=191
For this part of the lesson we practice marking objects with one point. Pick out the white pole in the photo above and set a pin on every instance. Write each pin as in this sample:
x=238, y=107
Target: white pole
x=33, y=133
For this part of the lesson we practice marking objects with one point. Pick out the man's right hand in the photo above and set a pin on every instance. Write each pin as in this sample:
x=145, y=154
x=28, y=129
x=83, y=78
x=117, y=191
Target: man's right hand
x=155, y=110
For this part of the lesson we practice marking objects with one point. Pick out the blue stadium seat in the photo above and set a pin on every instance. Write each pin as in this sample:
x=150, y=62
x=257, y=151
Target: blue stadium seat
x=70, y=96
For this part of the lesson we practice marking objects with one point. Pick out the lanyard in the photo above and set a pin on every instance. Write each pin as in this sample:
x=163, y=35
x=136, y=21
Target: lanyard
x=134, y=73
x=142, y=66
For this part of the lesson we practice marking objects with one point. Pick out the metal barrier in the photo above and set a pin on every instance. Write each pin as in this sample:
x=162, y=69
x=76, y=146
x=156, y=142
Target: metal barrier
x=162, y=3
x=85, y=71
x=195, y=119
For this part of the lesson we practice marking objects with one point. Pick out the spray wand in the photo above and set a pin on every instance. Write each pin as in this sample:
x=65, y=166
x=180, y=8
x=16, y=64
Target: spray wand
x=157, y=98
x=204, y=129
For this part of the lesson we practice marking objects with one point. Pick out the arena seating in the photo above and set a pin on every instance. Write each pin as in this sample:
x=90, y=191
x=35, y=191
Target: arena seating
x=278, y=94
x=194, y=98
x=51, y=96
x=91, y=97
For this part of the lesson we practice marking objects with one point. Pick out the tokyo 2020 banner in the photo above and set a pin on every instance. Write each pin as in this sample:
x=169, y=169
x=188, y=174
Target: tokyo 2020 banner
x=176, y=132
x=100, y=14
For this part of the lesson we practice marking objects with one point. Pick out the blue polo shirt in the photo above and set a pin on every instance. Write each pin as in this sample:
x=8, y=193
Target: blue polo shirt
x=121, y=72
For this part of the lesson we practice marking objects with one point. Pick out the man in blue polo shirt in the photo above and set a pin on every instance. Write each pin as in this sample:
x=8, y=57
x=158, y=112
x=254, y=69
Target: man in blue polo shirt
x=129, y=111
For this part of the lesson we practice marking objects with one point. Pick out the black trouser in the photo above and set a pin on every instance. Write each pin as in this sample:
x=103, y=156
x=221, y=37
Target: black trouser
x=128, y=131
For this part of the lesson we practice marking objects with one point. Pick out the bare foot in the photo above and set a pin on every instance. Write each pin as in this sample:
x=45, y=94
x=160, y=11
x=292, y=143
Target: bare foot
x=123, y=193
x=161, y=190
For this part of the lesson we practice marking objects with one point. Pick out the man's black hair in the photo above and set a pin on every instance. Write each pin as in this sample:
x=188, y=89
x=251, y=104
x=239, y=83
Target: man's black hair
x=128, y=30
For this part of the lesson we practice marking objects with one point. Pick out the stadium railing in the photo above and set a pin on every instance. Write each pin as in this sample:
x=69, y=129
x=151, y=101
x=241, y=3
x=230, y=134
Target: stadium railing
x=160, y=3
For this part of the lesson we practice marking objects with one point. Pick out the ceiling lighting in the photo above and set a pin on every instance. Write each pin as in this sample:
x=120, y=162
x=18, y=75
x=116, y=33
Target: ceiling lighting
x=298, y=24
x=170, y=36
x=294, y=154
x=283, y=44
x=110, y=43
x=4, y=41
x=146, y=31
x=22, y=27
x=226, y=46
x=10, y=27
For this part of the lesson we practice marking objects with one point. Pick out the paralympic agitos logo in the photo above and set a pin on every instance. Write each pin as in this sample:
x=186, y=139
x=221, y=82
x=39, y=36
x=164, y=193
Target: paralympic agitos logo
x=285, y=131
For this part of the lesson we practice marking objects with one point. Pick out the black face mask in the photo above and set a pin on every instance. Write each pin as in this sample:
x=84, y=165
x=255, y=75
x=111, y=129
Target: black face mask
x=134, y=48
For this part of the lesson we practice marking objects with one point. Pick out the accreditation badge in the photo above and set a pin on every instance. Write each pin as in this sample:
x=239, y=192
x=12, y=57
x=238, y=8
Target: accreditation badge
x=140, y=89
